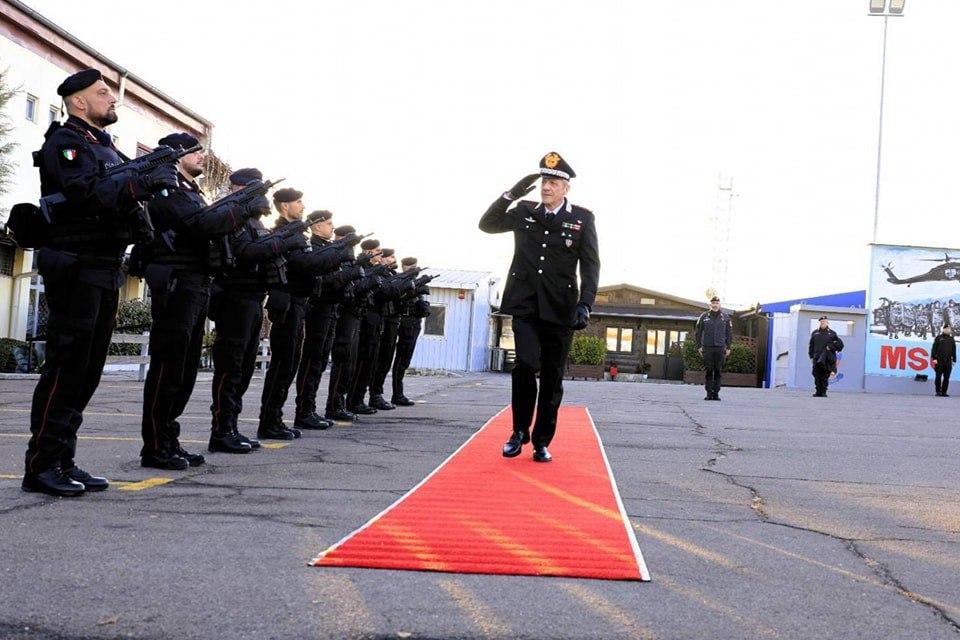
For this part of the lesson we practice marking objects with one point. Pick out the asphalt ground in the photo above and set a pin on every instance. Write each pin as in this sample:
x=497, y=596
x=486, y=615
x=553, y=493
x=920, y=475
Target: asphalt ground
x=770, y=514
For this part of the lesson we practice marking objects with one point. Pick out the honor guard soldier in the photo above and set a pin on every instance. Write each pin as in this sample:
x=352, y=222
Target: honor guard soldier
x=319, y=329
x=389, y=328
x=237, y=310
x=368, y=339
x=413, y=309
x=552, y=240
x=87, y=233
x=825, y=344
x=287, y=309
x=713, y=337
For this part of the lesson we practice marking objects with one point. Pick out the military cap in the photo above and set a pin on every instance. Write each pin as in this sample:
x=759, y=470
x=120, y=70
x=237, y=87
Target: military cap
x=409, y=261
x=178, y=141
x=321, y=215
x=553, y=166
x=287, y=195
x=386, y=253
x=78, y=82
x=823, y=318
x=715, y=299
x=243, y=177
x=344, y=230
x=369, y=244
x=947, y=324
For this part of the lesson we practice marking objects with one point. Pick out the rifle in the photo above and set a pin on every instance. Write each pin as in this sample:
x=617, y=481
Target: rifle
x=137, y=166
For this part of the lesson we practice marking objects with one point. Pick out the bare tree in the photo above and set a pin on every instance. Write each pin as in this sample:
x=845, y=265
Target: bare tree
x=7, y=164
x=216, y=176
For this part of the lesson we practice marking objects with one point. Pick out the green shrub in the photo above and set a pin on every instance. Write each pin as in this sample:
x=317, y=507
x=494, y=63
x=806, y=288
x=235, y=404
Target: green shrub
x=8, y=355
x=588, y=350
x=741, y=359
x=133, y=316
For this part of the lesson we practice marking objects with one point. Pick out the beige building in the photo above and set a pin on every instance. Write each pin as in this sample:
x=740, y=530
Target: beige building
x=36, y=56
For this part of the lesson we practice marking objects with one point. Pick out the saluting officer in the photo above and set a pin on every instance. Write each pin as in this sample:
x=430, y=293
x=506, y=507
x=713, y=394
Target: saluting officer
x=179, y=271
x=552, y=240
x=237, y=310
x=81, y=269
x=713, y=337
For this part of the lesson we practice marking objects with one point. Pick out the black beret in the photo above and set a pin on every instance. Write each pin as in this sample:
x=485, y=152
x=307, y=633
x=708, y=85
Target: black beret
x=408, y=261
x=344, y=230
x=386, y=253
x=243, y=177
x=823, y=318
x=178, y=141
x=946, y=325
x=715, y=299
x=287, y=195
x=369, y=244
x=321, y=215
x=553, y=166
x=78, y=82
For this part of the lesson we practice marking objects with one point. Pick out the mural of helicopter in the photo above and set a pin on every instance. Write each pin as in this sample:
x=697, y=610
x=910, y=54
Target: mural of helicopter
x=949, y=270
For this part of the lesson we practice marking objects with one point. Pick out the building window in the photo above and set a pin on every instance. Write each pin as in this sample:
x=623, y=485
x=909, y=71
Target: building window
x=435, y=323
x=31, y=111
x=54, y=114
x=7, y=256
x=620, y=339
x=659, y=340
x=142, y=149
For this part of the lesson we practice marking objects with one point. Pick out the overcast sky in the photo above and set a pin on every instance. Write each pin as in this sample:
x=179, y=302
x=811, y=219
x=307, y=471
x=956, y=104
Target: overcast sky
x=409, y=118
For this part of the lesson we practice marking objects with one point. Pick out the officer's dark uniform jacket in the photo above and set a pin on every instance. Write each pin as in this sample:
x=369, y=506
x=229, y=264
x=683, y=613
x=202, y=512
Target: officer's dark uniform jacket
x=304, y=266
x=944, y=350
x=257, y=260
x=542, y=282
x=96, y=221
x=824, y=345
x=714, y=329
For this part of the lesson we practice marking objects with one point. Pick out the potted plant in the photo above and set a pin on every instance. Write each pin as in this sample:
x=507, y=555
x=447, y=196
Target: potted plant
x=587, y=356
x=645, y=370
x=739, y=369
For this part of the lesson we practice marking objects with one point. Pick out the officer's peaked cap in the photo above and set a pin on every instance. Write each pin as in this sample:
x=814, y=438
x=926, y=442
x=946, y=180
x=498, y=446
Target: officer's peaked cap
x=553, y=166
x=78, y=82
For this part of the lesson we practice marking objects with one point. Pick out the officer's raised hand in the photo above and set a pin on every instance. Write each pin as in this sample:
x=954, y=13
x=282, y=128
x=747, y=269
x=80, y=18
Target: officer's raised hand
x=582, y=318
x=522, y=188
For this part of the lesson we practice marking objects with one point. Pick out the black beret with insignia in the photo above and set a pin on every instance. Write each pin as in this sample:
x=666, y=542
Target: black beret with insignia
x=78, y=82
x=369, y=244
x=553, y=166
x=344, y=230
x=715, y=299
x=243, y=177
x=287, y=195
x=386, y=253
x=178, y=141
x=409, y=261
x=321, y=215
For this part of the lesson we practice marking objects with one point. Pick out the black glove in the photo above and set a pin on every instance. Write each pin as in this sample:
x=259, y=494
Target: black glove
x=352, y=272
x=423, y=290
x=523, y=187
x=295, y=241
x=163, y=177
x=257, y=207
x=583, y=317
x=351, y=240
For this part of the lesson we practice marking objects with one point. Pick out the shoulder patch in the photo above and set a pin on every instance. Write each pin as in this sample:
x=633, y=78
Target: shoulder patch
x=68, y=155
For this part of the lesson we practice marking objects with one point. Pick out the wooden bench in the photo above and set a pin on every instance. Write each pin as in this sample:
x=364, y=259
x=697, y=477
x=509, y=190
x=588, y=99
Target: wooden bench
x=143, y=359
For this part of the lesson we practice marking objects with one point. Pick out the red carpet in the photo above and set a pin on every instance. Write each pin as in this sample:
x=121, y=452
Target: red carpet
x=479, y=512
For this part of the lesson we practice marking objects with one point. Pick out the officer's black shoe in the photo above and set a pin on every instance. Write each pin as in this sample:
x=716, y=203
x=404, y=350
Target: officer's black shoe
x=402, y=401
x=709, y=396
x=53, y=481
x=513, y=446
x=540, y=454
x=378, y=402
x=228, y=443
x=363, y=409
x=312, y=421
x=274, y=432
x=253, y=442
x=164, y=460
x=341, y=414
x=944, y=395
x=716, y=397
x=296, y=432
x=195, y=459
x=92, y=483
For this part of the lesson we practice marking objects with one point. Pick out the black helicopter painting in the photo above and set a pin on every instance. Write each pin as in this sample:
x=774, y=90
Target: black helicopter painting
x=948, y=270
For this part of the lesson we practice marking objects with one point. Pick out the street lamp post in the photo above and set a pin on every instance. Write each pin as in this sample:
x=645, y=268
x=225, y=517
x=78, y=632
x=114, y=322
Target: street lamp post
x=885, y=9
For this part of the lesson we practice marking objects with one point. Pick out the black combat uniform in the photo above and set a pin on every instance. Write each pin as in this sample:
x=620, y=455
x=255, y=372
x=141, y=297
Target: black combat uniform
x=823, y=349
x=179, y=270
x=412, y=311
x=714, y=335
x=287, y=309
x=542, y=295
x=82, y=276
x=237, y=309
x=944, y=351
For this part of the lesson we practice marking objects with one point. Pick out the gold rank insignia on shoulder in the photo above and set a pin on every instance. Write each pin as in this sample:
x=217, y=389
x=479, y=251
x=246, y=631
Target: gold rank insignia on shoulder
x=551, y=160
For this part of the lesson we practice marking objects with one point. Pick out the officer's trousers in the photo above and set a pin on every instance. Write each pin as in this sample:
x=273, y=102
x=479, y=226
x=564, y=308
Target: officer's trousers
x=942, y=379
x=368, y=347
x=388, y=347
x=713, y=358
x=239, y=321
x=176, y=340
x=407, y=336
x=319, y=330
x=81, y=321
x=343, y=357
x=541, y=346
x=821, y=378
x=286, y=342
